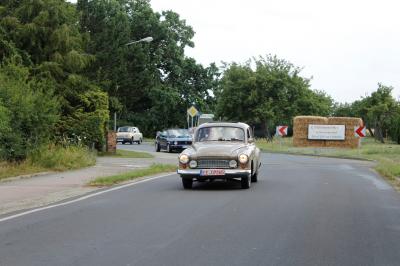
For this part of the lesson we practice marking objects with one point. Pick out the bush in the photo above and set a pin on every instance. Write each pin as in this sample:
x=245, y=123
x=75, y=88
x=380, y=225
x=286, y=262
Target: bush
x=61, y=158
x=28, y=111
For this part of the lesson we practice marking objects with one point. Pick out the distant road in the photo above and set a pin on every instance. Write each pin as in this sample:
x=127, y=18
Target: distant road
x=145, y=146
x=303, y=211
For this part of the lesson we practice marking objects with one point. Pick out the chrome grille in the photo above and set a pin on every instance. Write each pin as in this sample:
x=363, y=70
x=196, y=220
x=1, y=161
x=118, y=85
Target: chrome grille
x=215, y=164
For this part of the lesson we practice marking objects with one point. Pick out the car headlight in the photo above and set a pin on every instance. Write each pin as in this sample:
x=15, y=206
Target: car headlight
x=232, y=164
x=193, y=164
x=175, y=143
x=243, y=158
x=183, y=158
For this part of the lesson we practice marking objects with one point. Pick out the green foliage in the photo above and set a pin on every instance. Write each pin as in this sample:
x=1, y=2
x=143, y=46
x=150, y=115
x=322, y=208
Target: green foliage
x=88, y=117
x=271, y=94
x=60, y=158
x=29, y=112
x=45, y=36
x=150, y=84
x=379, y=111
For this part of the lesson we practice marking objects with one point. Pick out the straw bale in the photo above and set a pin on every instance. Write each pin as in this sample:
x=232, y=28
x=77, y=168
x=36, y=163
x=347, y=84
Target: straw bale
x=300, y=131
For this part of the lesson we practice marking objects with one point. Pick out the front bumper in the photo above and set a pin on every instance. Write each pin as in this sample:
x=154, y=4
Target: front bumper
x=229, y=173
x=179, y=146
x=123, y=139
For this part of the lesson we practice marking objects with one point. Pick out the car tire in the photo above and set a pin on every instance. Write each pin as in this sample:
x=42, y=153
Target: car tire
x=131, y=141
x=187, y=183
x=169, y=149
x=140, y=141
x=254, y=178
x=158, y=147
x=245, y=182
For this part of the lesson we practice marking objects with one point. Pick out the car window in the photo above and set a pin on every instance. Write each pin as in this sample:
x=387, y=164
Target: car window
x=123, y=129
x=220, y=134
x=178, y=133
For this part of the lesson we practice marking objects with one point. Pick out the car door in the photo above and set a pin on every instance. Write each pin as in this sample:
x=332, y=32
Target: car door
x=163, y=139
x=135, y=134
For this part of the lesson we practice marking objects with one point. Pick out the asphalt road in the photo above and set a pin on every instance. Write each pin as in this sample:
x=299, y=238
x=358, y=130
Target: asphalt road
x=303, y=211
x=145, y=146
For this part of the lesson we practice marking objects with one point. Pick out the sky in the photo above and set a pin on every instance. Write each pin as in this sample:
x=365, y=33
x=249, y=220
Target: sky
x=346, y=46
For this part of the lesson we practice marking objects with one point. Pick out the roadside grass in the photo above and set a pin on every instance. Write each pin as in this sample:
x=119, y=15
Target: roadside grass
x=152, y=140
x=126, y=154
x=386, y=155
x=115, y=179
x=49, y=158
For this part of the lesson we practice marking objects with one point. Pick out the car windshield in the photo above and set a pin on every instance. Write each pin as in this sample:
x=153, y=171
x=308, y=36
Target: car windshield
x=123, y=129
x=178, y=133
x=220, y=134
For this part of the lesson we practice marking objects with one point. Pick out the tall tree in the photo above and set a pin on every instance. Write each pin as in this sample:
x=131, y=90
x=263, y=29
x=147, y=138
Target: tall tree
x=272, y=93
x=153, y=82
x=47, y=33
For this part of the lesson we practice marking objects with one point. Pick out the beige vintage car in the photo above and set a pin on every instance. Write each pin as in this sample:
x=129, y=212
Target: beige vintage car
x=220, y=151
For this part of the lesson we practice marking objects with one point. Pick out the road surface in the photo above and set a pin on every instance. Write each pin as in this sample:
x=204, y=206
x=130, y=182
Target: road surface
x=303, y=211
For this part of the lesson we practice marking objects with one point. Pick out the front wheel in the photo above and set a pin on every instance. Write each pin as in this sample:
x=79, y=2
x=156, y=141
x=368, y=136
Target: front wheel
x=187, y=183
x=157, y=147
x=254, y=178
x=131, y=141
x=140, y=141
x=169, y=149
x=245, y=182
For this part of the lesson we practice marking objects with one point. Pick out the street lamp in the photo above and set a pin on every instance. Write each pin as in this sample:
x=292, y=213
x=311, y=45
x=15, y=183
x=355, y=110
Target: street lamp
x=146, y=39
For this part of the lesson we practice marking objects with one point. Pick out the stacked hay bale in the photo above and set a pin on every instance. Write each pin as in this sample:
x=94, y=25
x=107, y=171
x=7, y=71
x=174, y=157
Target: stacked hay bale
x=300, y=131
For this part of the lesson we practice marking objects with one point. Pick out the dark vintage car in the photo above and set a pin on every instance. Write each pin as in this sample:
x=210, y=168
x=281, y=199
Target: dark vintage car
x=220, y=151
x=173, y=139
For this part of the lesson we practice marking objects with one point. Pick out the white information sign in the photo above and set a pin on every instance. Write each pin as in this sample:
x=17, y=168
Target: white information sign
x=326, y=132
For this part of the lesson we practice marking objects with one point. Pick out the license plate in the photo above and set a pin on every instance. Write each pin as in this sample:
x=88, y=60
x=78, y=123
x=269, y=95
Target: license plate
x=212, y=172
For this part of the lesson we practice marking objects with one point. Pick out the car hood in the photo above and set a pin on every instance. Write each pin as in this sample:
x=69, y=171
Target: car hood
x=179, y=139
x=216, y=149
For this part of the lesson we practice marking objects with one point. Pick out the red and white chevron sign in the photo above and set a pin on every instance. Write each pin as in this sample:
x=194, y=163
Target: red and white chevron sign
x=281, y=130
x=360, y=132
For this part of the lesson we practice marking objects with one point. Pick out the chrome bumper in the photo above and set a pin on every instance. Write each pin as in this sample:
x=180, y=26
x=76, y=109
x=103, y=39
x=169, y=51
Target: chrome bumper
x=228, y=173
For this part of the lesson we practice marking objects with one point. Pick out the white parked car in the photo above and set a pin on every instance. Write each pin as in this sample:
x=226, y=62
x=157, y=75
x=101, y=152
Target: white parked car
x=129, y=134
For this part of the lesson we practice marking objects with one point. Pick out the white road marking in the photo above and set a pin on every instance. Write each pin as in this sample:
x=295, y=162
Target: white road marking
x=83, y=198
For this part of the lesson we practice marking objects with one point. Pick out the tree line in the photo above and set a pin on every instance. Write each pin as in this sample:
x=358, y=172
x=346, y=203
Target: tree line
x=64, y=68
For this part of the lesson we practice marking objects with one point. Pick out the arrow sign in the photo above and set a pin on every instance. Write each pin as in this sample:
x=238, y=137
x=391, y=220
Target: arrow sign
x=360, y=131
x=281, y=130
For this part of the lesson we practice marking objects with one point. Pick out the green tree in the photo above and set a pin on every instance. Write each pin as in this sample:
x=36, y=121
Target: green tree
x=271, y=94
x=45, y=35
x=28, y=112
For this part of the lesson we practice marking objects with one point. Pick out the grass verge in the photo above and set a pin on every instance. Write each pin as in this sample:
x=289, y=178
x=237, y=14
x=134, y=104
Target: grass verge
x=127, y=154
x=115, y=179
x=49, y=158
x=386, y=155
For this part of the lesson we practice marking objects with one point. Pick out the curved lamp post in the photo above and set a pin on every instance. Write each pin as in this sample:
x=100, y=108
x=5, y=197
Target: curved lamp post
x=146, y=39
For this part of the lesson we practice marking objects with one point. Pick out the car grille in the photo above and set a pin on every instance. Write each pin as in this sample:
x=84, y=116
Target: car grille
x=184, y=142
x=213, y=164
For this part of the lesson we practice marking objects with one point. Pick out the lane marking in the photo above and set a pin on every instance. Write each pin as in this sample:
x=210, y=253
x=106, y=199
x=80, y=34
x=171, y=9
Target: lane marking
x=83, y=197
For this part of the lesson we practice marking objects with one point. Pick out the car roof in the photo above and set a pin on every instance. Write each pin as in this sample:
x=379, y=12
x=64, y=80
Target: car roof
x=224, y=124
